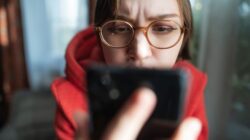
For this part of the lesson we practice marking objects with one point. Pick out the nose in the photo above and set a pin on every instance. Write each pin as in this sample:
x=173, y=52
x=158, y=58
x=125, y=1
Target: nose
x=140, y=47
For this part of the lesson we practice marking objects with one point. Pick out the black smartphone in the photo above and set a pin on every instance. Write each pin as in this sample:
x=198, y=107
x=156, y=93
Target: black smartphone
x=109, y=88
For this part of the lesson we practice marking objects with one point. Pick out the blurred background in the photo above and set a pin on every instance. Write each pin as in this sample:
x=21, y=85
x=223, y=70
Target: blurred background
x=34, y=35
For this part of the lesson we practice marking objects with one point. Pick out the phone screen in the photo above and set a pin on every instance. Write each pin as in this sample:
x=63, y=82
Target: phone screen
x=109, y=88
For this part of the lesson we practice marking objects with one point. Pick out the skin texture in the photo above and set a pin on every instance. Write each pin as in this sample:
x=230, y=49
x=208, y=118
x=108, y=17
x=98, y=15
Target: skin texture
x=140, y=53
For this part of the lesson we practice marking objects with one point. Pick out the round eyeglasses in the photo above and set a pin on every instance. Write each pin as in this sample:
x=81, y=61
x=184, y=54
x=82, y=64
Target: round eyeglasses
x=161, y=34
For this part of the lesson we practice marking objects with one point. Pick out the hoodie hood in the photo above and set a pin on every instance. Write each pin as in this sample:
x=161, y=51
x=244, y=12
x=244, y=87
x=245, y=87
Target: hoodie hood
x=71, y=96
x=82, y=51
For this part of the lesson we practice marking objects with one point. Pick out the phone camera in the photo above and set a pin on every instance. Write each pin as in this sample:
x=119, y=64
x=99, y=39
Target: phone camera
x=114, y=93
x=106, y=79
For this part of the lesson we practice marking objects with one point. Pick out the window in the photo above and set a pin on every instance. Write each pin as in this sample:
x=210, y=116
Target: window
x=221, y=47
x=239, y=127
x=48, y=28
x=196, y=10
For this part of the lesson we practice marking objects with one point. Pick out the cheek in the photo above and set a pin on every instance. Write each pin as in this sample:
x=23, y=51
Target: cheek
x=114, y=56
x=167, y=57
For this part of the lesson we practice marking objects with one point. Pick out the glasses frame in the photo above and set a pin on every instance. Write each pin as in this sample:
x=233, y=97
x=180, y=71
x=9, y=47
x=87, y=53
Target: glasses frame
x=144, y=29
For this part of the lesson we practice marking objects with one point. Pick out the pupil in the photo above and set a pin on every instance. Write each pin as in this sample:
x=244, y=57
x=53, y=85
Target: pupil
x=161, y=29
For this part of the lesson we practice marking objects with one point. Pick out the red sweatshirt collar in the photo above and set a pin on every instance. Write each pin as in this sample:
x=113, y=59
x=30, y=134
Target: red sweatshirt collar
x=82, y=50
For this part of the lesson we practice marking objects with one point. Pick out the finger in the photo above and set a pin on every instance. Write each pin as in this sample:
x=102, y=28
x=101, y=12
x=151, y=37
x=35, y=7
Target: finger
x=81, y=120
x=189, y=129
x=131, y=118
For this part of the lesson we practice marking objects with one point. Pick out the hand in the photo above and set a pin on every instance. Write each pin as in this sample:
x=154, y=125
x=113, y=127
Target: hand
x=189, y=129
x=131, y=118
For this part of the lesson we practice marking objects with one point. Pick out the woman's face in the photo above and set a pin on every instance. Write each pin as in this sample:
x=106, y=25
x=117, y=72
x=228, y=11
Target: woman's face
x=139, y=52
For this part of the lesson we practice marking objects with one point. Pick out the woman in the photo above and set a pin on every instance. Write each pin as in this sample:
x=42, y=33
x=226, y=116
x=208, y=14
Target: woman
x=140, y=33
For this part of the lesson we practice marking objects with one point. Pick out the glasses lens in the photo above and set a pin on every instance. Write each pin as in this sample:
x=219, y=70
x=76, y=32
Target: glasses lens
x=117, y=33
x=164, y=34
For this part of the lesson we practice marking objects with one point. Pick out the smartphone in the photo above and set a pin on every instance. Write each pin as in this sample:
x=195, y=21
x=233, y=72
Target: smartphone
x=109, y=87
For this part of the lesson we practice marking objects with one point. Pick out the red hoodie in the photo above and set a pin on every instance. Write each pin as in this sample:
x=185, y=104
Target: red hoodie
x=70, y=92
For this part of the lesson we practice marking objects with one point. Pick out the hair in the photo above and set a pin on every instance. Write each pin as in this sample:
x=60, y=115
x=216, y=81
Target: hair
x=106, y=10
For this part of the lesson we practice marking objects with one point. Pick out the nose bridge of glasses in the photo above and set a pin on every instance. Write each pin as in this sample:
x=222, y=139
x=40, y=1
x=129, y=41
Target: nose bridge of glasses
x=141, y=37
x=143, y=29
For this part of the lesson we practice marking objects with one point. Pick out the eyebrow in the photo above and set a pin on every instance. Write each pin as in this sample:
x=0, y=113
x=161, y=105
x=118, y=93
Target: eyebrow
x=164, y=16
x=122, y=17
x=151, y=18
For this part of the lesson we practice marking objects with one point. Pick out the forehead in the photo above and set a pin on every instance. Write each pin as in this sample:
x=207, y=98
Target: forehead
x=147, y=8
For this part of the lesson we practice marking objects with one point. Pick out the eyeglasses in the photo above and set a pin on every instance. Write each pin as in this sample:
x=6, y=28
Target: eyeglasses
x=161, y=34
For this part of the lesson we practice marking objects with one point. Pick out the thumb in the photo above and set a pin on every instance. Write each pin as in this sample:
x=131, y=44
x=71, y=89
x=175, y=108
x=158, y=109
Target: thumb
x=82, y=130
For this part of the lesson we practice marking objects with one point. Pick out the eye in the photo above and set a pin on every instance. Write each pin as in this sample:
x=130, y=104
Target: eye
x=119, y=29
x=162, y=28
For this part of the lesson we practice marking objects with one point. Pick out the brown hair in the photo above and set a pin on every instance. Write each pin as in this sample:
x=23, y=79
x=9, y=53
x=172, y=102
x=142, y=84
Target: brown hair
x=106, y=9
